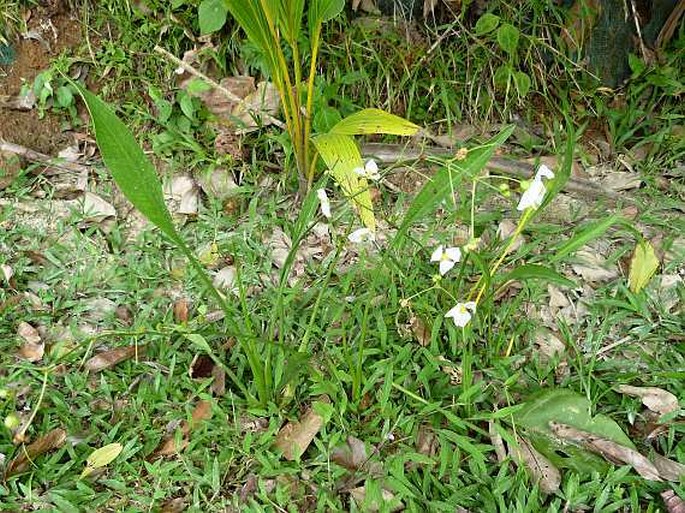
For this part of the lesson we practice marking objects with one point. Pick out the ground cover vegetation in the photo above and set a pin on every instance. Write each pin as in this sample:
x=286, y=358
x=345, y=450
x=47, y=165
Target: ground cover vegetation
x=303, y=256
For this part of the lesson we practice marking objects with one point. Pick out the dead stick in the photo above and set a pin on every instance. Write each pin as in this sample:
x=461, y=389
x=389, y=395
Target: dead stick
x=397, y=154
x=35, y=156
x=231, y=96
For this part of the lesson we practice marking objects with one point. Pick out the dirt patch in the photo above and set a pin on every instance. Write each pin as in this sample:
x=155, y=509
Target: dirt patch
x=51, y=30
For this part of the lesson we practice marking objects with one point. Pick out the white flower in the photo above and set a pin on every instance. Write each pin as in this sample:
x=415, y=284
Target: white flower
x=361, y=235
x=447, y=258
x=369, y=171
x=325, y=204
x=462, y=313
x=533, y=196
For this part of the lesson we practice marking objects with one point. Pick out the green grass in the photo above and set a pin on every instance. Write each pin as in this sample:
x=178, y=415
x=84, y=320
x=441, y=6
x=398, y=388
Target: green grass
x=348, y=313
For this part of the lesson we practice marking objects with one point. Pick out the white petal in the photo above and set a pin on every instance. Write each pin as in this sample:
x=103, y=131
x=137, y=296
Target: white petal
x=460, y=315
x=445, y=265
x=470, y=305
x=361, y=235
x=533, y=196
x=371, y=167
x=437, y=254
x=453, y=254
x=325, y=204
x=544, y=172
x=359, y=171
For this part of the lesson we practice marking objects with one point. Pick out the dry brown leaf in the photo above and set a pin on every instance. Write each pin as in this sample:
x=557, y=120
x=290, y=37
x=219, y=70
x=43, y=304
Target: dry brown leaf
x=542, y=470
x=279, y=243
x=656, y=399
x=250, y=114
x=294, y=438
x=421, y=332
x=549, y=345
x=426, y=441
x=610, y=450
x=6, y=272
x=668, y=469
x=497, y=442
x=225, y=279
x=182, y=195
x=218, y=183
x=27, y=455
x=351, y=455
x=176, y=505
x=33, y=347
x=506, y=229
x=96, y=209
x=621, y=181
x=218, y=103
x=674, y=504
x=112, y=357
x=390, y=502
x=592, y=267
x=169, y=446
x=181, y=310
x=203, y=367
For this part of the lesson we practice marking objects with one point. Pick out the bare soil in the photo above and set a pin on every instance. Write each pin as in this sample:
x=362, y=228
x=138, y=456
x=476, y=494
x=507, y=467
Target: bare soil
x=52, y=29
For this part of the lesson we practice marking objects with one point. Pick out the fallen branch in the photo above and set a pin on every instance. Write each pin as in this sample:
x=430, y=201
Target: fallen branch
x=34, y=156
x=398, y=154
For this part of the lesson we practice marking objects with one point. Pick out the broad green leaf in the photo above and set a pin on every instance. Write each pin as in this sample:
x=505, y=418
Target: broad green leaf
x=64, y=96
x=537, y=272
x=374, y=121
x=325, y=118
x=486, y=23
x=131, y=169
x=508, y=38
x=101, y=457
x=342, y=156
x=523, y=83
x=211, y=16
x=447, y=179
x=199, y=341
x=321, y=11
x=502, y=75
x=643, y=265
x=567, y=407
x=589, y=232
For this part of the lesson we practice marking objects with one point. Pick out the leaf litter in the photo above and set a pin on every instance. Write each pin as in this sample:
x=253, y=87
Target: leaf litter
x=171, y=444
x=295, y=437
x=656, y=399
x=27, y=454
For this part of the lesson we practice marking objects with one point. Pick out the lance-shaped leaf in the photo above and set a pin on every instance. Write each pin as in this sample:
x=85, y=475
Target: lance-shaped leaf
x=374, y=121
x=643, y=265
x=290, y=14
x=447, y=179
x=342, y=156
x=132, y=170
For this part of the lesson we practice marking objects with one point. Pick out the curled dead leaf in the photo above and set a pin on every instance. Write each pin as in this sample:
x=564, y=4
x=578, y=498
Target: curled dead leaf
x=108, y=359
x=27, y=455
x=169, y=445
x=33, y=347
x=656, y=399
x=674, y=504
x=610, y=450
x=668, y=469
x=294, y=438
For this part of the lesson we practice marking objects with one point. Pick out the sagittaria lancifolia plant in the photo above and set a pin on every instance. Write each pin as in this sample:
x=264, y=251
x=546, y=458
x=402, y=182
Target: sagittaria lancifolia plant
x=274, y=26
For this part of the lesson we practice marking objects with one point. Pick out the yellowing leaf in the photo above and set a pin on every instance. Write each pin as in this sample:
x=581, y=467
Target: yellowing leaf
x=101, y=457
x=643, y=265
x=374, y=121
x=342, y=156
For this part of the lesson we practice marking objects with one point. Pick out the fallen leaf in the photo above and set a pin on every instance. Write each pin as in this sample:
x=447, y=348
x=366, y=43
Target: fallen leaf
x=6, y=272
x=421, y=332
x=497, y=442
x=258, y=108
x=506, y=229
x=96, y=209
x=225, y=279
x=658, y=400
x=33, y=347
x=643, y=265
x=621, y=181
x=610, y=450
x=101, y=457
x=351, y=455
x=674, y=504
x=175, y=505
x=182, y=195
x=426, y=441
x=27, y=455
x=181, y=310
x=203, y=367
x=668, y=469
x=294, y=438
x=549, y=345
x=592, y=267
x=542, y=470
x=279, y=243
x=390, y=502
x=168, y=446
x=99, y=308
x=218, y=183
x=112, y=357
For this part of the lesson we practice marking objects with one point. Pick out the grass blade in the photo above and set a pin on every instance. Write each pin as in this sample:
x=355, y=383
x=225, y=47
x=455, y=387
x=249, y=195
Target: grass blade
x=589, y=232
